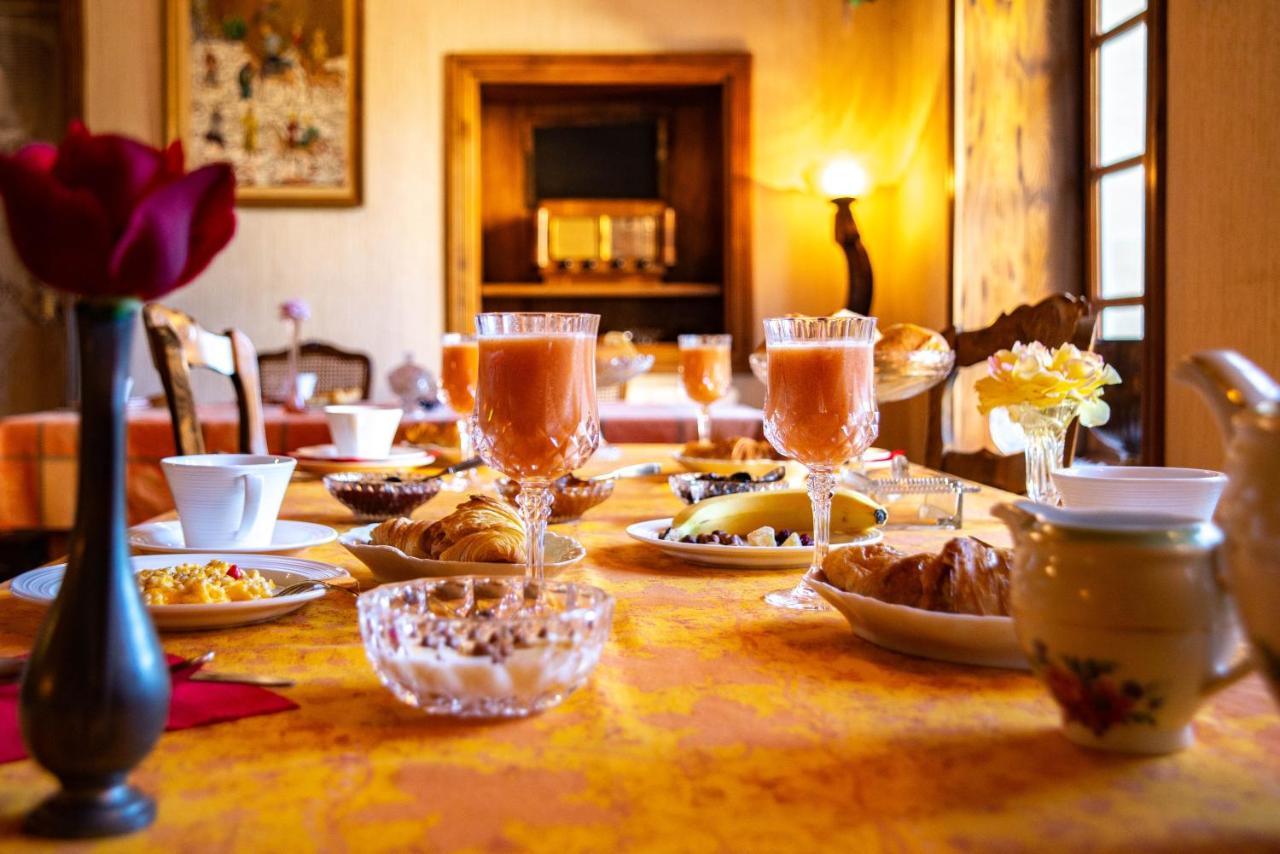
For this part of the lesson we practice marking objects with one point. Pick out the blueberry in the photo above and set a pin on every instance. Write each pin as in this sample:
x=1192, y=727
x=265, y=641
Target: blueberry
x=806, y=540
x=780, y=537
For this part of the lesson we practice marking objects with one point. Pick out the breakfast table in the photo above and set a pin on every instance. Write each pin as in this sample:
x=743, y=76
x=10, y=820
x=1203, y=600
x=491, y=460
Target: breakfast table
x=38, y=450
x=713, y=722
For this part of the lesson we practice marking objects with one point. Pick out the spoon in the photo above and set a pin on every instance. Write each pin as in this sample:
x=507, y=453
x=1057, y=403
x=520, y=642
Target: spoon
x=637, y=470
x=456, y=467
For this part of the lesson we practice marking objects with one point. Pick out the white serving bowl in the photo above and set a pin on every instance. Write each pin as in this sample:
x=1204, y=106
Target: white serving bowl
x=1190, y=493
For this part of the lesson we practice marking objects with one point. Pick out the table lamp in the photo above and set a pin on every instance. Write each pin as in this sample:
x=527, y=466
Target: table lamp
x=842, y=180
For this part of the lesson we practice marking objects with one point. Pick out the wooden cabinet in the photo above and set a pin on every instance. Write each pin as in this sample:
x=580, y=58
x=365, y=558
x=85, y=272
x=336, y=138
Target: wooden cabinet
x=699, y=106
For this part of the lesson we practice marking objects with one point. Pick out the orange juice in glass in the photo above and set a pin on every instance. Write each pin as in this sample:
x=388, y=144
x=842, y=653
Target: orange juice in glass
x=535, y=416
x=707, y=372
x=819, y=409
x=459, y=369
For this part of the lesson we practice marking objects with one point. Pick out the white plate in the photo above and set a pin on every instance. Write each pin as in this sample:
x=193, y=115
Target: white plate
x=287, y=538
x=958, y=638
x=741, y=557
x=326, y=459
x=41, y=586
x=390, y=564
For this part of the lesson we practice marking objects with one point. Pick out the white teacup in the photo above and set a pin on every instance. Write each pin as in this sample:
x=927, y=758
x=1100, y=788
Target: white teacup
x=1125, y=618
x=363, y=432
x=227, y=500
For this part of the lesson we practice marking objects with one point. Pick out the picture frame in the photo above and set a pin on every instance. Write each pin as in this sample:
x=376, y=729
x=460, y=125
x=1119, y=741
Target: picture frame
x=273, y=88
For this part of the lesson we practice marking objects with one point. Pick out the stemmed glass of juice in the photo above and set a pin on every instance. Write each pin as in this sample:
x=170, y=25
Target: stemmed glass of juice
x=820, y=409
x=535, y=416
x=707, y=372
x=459, y=371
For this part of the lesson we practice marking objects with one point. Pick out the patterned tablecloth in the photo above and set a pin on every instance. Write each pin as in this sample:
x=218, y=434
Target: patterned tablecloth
x=38, y=451
x=713, y=723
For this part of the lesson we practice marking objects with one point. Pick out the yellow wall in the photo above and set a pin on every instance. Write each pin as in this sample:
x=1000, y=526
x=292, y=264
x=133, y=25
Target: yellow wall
x=1223, y=242
x=872, y=81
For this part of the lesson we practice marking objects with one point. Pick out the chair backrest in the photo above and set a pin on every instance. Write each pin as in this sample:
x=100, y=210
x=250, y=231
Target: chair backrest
x=179, y=344
x=335, y=369
x=1053, y=321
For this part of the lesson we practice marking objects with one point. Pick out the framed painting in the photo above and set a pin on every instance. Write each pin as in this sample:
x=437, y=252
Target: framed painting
x=273, y=87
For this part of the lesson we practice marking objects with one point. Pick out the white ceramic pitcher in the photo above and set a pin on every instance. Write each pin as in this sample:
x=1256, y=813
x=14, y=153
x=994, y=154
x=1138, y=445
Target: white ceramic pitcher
x=1247, y=403
x=1125, y=619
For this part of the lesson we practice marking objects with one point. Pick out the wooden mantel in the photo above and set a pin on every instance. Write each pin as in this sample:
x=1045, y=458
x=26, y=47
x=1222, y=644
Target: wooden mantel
x=466, y=79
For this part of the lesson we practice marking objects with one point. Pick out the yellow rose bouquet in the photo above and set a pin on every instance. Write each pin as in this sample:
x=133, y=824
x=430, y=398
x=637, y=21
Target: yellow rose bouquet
x=1041, y=390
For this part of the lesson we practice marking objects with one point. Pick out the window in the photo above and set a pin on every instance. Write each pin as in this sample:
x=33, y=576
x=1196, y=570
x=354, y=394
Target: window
x=1124, y=80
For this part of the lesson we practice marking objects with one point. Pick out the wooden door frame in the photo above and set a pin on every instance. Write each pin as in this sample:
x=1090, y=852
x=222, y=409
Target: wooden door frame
x=466, y=74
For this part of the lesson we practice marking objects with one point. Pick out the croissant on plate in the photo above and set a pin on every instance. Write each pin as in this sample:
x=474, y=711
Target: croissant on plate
x=407, y=535
x=482, y=529
x=967, y=577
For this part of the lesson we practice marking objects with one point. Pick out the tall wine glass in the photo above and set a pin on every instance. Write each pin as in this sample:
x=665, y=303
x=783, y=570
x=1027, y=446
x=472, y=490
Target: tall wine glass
x=536, y=415
x=820, y=409
x=707, y=372
x=459, y=369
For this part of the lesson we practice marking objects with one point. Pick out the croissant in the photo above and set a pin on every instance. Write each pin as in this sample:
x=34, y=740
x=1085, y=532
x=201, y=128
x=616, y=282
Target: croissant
x=407, y=535
x=967, y=577
x=482, y=529
x=860, y=570
x=497, y=545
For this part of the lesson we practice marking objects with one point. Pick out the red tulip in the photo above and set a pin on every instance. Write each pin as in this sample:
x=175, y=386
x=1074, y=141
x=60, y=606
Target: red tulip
x=107, y=216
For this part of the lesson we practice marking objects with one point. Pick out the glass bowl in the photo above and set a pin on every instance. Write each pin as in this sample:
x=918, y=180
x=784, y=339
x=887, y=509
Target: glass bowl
x=619, y=369
x=692, y=487
x=899, y=376
x=372, y=496
x=483, y=647
x=572, y=498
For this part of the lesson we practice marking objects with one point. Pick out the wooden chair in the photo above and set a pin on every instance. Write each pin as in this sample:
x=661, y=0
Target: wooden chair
x=335, y=369
x=1053, y=321
x=179, y=344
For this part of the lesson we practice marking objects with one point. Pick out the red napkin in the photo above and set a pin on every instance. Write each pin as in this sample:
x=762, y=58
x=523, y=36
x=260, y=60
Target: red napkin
x=193, y=704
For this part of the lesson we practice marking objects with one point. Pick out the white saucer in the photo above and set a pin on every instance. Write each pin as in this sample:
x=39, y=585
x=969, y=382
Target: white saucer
x=41, y=586
x=325, y=459
x=287, y=538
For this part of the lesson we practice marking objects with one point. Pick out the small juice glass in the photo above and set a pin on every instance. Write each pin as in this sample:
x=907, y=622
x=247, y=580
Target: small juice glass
x=707, y=372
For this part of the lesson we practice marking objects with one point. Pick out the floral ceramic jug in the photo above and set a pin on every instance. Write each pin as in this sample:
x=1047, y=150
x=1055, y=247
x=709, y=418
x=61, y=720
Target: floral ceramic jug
x=1247, y=403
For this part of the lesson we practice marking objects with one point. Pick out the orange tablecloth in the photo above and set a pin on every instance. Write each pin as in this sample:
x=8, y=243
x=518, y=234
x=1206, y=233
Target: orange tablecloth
x=713, y=723
x=38, y=464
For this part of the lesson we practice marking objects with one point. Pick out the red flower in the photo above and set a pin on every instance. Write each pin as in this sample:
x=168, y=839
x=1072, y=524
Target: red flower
x=107, y=216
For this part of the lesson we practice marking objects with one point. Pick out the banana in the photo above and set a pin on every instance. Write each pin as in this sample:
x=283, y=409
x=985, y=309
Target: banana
x=851, y=512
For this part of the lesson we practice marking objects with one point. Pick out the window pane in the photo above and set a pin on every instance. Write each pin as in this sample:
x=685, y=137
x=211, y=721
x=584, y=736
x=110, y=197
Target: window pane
x=1122, y=323
x=1121, y=214
x=1112, y=12
x=1122, y=96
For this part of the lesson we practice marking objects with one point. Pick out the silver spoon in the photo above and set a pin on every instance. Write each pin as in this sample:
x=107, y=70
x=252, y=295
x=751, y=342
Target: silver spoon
x=637, y=470
x=457, y=467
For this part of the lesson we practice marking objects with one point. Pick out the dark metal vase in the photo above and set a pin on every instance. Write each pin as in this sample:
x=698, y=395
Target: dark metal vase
x=95, y=696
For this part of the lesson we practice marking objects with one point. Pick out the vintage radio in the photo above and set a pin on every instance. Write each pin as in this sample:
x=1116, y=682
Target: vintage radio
x=594, y=239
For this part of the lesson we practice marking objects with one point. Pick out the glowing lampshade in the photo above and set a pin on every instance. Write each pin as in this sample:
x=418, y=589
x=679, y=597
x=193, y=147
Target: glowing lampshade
x=843, y=178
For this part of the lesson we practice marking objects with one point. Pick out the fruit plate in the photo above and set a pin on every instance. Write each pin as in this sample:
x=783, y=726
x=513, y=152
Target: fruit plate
x=741, y=557
x=389, y=564
x=957, y=638
x=41, y=586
